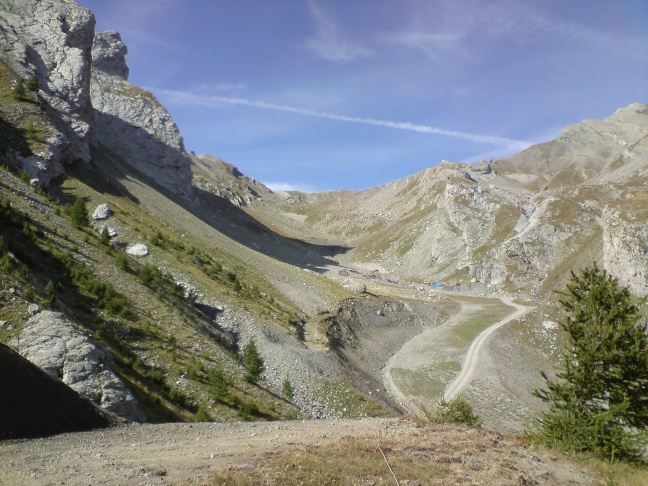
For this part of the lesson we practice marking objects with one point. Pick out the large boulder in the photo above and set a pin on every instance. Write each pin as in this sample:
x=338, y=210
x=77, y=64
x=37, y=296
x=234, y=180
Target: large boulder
x=52, y=343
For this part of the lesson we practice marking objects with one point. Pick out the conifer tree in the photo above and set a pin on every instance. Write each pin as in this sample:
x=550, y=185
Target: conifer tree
x=32, y=84
x=253, y=362
x=598, y=400
x=19, y=90
x=78, y=214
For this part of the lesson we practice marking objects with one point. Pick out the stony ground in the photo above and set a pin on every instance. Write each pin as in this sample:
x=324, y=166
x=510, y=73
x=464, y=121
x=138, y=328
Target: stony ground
x=190, y=453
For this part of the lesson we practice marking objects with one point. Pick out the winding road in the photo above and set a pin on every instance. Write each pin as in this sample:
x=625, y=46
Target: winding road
x=417, y=375
x=476, y=350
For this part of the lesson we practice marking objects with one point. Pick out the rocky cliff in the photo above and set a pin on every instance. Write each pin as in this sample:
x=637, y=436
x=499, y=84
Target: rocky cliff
x=52, y=40
x=130, y=121
x=84, y=97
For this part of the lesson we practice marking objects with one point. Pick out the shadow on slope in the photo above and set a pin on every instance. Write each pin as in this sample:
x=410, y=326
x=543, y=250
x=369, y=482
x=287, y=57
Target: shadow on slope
x=36, y=405
x=216, y=211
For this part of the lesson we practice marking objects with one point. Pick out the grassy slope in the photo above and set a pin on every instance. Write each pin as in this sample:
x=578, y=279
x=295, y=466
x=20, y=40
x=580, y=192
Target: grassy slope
x=163, y=347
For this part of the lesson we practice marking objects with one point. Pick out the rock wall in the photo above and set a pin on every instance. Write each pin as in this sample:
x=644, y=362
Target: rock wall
x=625, y=248
x=132, y=123
x=52, y=40
x=85, y=96
x=51, y=342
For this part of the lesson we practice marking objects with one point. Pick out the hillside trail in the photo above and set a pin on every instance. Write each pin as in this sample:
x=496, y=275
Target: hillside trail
x=477, y=349
x=426, y=364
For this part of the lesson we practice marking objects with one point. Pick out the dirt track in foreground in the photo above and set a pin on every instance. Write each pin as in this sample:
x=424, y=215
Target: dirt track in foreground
x=188, y=453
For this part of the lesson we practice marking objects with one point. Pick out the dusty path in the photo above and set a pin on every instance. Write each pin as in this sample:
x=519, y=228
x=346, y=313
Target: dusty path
x=181, y=454
x=156, y=454
x=476, y=350
x=418, y=374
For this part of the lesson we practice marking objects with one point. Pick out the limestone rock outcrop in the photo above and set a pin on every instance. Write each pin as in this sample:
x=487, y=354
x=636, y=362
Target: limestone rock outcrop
x=52, y=343
x=131, y=123
x=109, y=54
x=52, y=40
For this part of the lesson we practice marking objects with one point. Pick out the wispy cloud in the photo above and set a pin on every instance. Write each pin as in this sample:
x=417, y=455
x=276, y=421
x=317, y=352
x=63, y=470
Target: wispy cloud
x=436, y=46
x=442, y=30
x=186, y=97
x=329, y=43
x=288, y=186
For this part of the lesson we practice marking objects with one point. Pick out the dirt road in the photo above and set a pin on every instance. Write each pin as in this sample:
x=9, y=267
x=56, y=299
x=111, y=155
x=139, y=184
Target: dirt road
x=417, y=375
x=476, y=349
x=156, y=454
x=181, y=454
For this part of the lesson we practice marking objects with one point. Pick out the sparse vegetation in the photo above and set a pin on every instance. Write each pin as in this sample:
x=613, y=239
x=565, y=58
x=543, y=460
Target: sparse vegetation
x=32, y=84
x=287, y=389
x=456, y=411
x=19, y=90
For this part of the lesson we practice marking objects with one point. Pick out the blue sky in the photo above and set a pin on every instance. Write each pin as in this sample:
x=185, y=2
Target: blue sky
x=348, y=94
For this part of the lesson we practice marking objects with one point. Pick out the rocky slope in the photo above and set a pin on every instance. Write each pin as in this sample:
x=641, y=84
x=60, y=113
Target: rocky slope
x=514, y=224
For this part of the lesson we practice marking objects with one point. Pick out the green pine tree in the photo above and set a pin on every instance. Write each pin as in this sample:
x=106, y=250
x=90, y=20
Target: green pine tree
x=253, y=362
x=79, y=214
x=288, y=390
x=598, y=400
x=104, y=237
x=19, y=90
x=32, y=84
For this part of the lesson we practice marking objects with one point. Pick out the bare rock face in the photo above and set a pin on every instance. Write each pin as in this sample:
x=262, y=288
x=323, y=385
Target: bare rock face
x=109, y=54
x=51, y=342
x=52, y=40
x=625, y=248
x=131, y=123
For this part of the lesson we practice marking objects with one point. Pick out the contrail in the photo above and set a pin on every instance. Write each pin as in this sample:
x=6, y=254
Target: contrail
x=413, y=127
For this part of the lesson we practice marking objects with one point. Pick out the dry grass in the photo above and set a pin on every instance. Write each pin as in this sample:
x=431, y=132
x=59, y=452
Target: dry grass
x=417, y=454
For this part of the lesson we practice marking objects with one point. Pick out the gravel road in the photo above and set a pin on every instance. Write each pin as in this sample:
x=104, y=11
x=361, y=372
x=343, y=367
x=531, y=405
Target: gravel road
x=156, y=454
x=477, y=348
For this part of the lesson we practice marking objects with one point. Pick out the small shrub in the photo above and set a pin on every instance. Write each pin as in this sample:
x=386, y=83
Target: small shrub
x=32, y=84
x=19, y=90
x=288, y=390
x=194, y=369
x=456, y=411
x=155, y=375
x=253, y=362
x=3, y=246
x=157, y=239
x=104, y=237
x=148, y=274
x=50, y=293
x=121, y=261
x=202, y=415
x=219, y=384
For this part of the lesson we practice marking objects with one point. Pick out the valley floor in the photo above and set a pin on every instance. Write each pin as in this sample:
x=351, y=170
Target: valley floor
x=190, y=453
